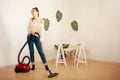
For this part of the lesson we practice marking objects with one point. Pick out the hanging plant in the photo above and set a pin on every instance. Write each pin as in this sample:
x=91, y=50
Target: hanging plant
x=58, y=15
x=74, y=25
x=46, y=23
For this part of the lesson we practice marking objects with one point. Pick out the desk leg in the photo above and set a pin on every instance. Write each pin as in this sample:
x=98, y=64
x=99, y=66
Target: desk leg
x=59, y=53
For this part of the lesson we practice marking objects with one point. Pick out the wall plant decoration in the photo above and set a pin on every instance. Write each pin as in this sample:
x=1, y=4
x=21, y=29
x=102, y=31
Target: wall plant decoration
x=46, y=23
x=59, y=15
x=74, y=25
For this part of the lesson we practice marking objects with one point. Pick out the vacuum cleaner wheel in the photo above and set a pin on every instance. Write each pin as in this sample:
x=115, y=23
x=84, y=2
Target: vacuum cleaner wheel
x=21, y=71
x=16, y=70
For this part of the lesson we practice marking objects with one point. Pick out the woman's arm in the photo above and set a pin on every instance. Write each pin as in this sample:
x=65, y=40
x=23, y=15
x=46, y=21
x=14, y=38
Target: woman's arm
x=42, y=30
x=29, y=27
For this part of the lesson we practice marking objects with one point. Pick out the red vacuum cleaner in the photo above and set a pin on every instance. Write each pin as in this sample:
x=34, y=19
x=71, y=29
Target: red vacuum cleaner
x=22, y=67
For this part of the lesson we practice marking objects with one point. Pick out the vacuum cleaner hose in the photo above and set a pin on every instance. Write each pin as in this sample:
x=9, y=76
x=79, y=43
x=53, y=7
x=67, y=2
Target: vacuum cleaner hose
x=28, y=38
x=22, y=50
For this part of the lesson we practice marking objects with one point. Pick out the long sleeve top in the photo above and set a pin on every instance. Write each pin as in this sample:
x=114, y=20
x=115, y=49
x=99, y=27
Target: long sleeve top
x=35, y=26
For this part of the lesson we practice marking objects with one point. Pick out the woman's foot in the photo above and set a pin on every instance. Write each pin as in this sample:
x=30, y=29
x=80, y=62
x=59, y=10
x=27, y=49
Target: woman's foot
x=46, y=67
x=33, y=67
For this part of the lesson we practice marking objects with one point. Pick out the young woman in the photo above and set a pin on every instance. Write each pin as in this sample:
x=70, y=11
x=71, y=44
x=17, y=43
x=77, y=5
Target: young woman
x=35, y=26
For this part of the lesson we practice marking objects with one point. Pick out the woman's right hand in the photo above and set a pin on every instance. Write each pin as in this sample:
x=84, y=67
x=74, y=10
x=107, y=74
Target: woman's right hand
x=33, y=33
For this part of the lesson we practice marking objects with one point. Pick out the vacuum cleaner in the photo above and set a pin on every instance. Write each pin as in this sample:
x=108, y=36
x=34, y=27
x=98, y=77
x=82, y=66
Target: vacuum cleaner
x=22, y=67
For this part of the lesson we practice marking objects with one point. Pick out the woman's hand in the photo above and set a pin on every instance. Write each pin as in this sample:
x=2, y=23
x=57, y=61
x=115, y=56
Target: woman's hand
x=41, y=40
x=33, y=33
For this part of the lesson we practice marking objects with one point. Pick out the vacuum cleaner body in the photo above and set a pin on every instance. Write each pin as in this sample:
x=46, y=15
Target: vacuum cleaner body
x=22, y=68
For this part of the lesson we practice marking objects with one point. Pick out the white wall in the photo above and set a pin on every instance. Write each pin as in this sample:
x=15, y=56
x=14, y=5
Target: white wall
x=99, y=27
x=14, y=16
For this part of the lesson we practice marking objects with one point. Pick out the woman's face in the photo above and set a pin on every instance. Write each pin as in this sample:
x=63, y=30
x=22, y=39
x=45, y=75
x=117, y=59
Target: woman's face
x=34, y=13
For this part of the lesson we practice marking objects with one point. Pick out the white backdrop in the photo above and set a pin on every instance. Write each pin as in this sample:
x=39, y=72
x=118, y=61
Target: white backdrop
x=99, y=27
x=98, y=20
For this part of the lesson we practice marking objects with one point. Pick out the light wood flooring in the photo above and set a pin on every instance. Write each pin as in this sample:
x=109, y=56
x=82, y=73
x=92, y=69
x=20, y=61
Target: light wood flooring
x=95, y=70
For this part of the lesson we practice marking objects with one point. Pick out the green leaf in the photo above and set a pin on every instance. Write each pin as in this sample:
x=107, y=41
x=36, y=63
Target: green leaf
x=56, y=47
x=58, y=15
x=46, y=23
x=74, y=25
x=63, y=45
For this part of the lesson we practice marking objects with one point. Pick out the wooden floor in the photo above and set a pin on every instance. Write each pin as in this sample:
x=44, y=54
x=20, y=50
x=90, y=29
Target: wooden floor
x=94, y=71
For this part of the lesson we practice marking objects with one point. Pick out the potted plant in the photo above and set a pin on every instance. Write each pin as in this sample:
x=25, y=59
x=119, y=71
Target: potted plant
x=65, y=46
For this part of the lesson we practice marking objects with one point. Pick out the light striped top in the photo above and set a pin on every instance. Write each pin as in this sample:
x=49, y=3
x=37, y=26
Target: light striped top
x=35, y=26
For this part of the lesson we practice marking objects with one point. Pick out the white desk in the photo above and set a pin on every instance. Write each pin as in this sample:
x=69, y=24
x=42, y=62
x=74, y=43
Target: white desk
x=81, y=57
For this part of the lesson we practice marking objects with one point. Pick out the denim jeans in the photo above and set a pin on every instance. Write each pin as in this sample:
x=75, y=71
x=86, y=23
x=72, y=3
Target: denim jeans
x=36, y=40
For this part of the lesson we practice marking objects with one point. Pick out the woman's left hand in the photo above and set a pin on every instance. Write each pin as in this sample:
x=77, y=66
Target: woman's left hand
x=41, y=40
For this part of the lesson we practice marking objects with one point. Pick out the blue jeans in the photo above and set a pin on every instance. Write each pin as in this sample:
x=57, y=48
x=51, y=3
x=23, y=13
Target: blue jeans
x=36, y=40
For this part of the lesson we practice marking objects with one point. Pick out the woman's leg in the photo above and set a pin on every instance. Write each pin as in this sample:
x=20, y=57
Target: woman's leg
x=31, y=50
x=39, y=48
x=40, y=51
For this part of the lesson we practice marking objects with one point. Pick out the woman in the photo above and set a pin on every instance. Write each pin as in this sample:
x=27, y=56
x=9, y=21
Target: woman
x=35, y=26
